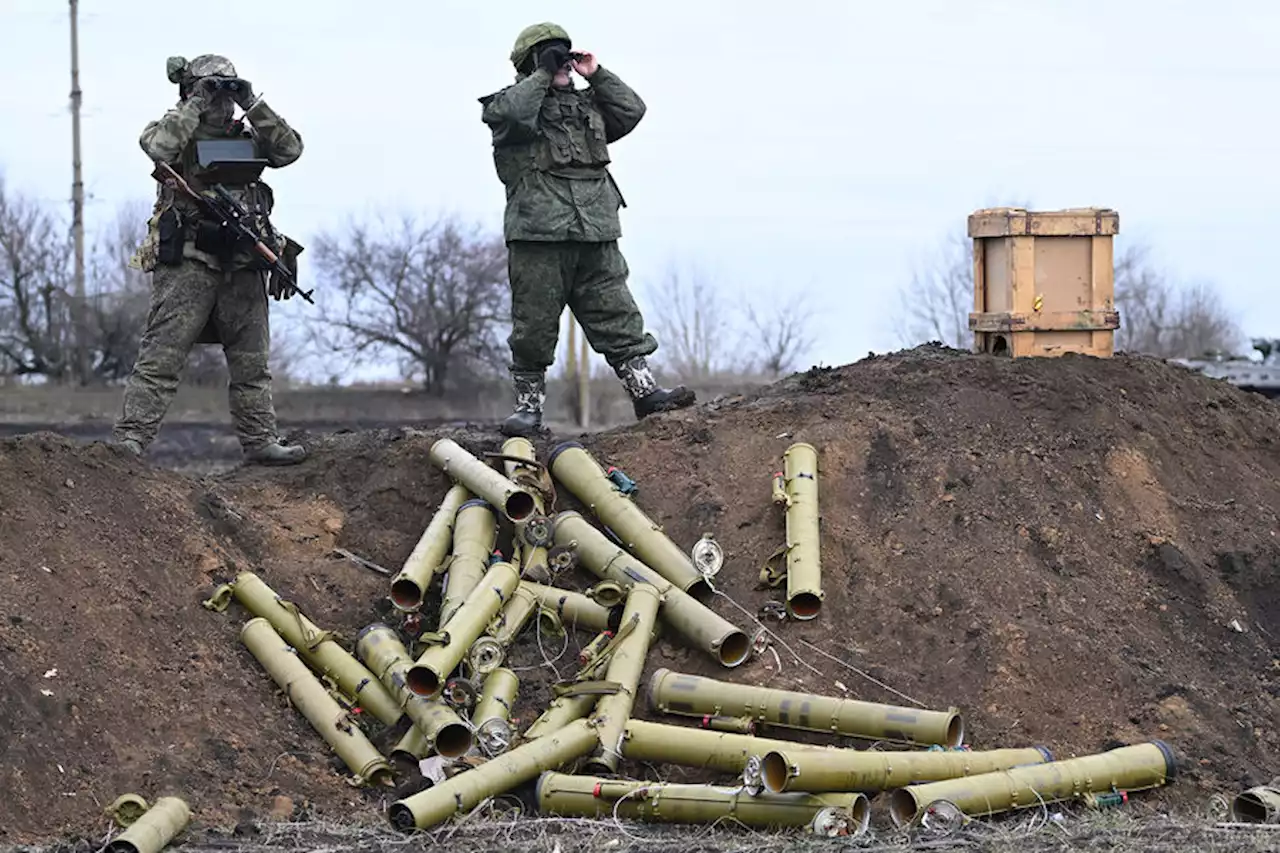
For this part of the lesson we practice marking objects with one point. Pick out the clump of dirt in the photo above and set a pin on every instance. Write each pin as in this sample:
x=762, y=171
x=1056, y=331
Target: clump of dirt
x=1075, y=552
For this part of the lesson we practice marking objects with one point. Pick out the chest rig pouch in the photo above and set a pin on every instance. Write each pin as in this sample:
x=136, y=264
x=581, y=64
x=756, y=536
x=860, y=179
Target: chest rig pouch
x=573, y=135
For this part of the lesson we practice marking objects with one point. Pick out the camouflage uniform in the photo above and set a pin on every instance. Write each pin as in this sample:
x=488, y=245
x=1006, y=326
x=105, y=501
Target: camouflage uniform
x=203, y=292
x=550, y=150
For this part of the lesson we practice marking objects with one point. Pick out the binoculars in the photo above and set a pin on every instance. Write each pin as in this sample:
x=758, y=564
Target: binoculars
x=233, y=85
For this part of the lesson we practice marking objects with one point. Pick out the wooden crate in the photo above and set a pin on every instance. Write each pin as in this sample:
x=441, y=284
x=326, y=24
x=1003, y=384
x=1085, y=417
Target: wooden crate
x=1043, y=282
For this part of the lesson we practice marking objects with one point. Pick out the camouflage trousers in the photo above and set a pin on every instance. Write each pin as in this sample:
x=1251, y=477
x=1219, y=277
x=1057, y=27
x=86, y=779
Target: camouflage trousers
x=591, y=279
x=184, y=299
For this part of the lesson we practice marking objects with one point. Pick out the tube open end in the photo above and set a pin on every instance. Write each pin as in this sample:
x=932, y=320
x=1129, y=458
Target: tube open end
x=453, y=740
x=734, y=649
x=701, y=590
x=600, y=765
x=860, y=814
x=804, y=605
x=401, y=817
x=774, y=771
x=549, y=624
x=955, y=730
x=406, y=594
x=423, y=681
x=121, y=847
x=519, y=506
x=1250, y=807
x=902, y=807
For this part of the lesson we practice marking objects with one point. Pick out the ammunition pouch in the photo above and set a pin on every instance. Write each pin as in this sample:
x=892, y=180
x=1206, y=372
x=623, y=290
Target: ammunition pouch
x=171, y=238
x=212, y=238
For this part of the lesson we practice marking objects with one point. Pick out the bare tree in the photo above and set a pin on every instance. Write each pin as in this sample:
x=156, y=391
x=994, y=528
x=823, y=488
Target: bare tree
x=36, y=335
x=435, y=297
x=693, y=322
x=779, y=337
x=936, y=304
x=1160, y=318
x=118, y=295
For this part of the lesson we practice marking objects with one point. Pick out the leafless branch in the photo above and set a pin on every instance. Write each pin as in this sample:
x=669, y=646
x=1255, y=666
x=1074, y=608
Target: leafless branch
x=434, y=297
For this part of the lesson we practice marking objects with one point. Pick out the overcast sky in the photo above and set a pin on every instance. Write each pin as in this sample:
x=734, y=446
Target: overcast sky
x=821, y=145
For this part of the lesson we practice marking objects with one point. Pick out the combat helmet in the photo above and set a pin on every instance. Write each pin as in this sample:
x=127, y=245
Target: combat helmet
x=534, y=35
x=184, y=72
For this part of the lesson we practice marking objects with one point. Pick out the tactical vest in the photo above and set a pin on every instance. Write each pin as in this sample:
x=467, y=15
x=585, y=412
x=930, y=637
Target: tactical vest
x=231, y=158
x=570, y=143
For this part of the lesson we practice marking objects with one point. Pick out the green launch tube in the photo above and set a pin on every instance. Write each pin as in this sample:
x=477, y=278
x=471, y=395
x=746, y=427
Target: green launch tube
x=561, y=712
x=382, y=651
x=804, y=561
x=534, y=532
x=474, y=535
x=852, y=770
x=515, y=502
x=639, y=619
x=692, y=695
x=413, y=747
x=409, y=587
x=669, y=802
x=492, y=717
x=309, y=696
x=1126, y=768
x=155, y=829
x=427, y=675
x=693, y=620
x=1257, y=805
x=316, y=647
x=488, y=652
x=583, y=476
x=496, y=776
x=574, y=609
x=662, y=743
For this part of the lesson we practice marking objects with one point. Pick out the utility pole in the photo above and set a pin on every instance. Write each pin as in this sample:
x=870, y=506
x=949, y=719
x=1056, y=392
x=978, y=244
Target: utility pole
x=77, y=206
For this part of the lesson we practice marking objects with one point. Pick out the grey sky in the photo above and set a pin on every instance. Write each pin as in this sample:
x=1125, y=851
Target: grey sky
x=801, y=144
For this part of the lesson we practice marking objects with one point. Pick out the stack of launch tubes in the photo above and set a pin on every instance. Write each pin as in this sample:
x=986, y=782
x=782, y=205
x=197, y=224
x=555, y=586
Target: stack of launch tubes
x=455, y=697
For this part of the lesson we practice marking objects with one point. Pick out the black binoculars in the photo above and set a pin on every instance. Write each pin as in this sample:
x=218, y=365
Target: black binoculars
x=233, y=85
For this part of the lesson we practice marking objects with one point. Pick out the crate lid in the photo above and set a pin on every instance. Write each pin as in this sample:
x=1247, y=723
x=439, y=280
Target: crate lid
x=1017, y=222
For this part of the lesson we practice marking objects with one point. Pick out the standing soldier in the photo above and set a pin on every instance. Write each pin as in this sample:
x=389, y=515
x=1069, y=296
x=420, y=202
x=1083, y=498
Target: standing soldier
x=550, y=148
x=208, y=287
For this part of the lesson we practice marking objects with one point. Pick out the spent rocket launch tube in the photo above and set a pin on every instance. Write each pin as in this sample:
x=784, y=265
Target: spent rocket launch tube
x=692, y=695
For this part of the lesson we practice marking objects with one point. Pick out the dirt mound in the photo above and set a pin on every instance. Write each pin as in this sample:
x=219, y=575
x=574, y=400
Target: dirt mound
x=1075, y=552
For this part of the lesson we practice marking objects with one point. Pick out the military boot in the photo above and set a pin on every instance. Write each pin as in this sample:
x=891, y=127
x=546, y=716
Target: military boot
x=531, y=393
x=132, y=445
x=647, y=396
x=276, y=453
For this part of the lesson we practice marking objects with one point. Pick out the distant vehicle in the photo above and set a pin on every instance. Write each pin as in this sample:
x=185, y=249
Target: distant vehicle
x=1260, y=375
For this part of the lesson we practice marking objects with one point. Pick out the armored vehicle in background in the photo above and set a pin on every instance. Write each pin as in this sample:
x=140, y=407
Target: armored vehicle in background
x=1261, y=376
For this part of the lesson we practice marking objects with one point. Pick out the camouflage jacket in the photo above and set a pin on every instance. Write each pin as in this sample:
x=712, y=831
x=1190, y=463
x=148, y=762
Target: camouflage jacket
x=550, y=149
x=172, y=140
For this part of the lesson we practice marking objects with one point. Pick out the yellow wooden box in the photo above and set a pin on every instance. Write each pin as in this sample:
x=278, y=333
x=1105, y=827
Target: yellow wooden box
x=1043, y=282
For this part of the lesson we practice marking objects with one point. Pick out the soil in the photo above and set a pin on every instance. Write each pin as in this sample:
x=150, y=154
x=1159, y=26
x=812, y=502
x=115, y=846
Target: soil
x=1075, y=552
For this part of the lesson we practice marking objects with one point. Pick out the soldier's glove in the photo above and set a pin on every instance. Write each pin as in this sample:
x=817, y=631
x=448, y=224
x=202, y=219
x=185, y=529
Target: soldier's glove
x=241, y=91
x=553, y=57
x=277, y=287
x=203, y=90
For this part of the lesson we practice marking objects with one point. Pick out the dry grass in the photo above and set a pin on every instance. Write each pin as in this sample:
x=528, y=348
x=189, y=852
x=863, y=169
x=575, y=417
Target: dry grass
x=1040, y=831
